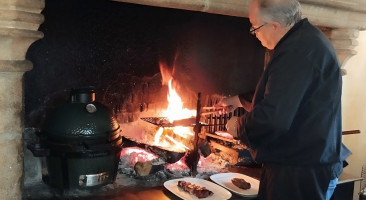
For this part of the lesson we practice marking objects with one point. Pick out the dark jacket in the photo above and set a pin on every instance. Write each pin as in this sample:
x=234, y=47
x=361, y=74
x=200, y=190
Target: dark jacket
x=296, y=110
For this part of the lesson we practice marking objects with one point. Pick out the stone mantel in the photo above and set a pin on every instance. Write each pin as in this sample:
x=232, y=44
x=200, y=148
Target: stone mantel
x=341, y=20
x=328, y=13
x=343, y=17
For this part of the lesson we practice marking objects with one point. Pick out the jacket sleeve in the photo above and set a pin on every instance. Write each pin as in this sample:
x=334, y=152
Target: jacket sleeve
x=278, y=97
x=246, y=100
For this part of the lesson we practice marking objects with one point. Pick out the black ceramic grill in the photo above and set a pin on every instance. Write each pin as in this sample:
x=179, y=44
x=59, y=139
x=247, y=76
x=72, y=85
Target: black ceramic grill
x=81, y=143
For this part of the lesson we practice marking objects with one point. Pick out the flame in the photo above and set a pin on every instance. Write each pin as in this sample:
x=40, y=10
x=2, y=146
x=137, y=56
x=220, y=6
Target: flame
x=174, y=111
x=178, y=144
x=183, y=131
x=157, y=136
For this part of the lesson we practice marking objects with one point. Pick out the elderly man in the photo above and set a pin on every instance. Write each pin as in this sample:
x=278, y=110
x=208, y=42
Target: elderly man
x=293, y=123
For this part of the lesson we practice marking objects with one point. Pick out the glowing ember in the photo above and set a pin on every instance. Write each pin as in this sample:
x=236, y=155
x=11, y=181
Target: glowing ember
x=138, y=155
x=168, y=141
x=180, y=165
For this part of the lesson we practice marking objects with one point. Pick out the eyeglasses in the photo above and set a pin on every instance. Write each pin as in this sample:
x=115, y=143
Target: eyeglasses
x=252, y=30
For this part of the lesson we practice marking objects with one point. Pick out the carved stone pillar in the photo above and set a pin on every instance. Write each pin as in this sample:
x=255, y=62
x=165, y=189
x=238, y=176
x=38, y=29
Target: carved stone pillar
x=344, y=41
x=19, y=22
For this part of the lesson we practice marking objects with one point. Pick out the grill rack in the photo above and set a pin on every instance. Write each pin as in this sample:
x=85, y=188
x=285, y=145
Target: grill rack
x=363, y=176
x=218, y=122
x=211, y=123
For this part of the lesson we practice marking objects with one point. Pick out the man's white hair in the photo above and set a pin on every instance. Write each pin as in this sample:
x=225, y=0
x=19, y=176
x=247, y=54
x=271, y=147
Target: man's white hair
x=285, y=12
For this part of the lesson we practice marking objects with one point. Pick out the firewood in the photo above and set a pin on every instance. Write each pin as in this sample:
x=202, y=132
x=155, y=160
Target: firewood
x=229, y=154
x=147, y=168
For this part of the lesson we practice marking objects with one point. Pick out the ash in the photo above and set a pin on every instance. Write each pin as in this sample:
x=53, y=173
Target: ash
x=208, y=166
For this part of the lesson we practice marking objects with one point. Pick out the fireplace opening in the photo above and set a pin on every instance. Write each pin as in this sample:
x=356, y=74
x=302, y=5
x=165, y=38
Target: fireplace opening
x=126, y=52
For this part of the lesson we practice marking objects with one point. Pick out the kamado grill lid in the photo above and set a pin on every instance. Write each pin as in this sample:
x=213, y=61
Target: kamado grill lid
x=80, y=117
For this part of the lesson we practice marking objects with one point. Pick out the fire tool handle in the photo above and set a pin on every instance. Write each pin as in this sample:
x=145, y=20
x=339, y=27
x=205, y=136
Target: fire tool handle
x=351, y=132
x=197, y=127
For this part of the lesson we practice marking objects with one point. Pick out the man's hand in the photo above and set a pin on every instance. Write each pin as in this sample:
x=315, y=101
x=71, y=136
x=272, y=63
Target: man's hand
x=227, y=105
x=232, y=126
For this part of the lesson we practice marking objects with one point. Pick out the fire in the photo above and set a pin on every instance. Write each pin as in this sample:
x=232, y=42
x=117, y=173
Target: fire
x=178, y=144
x=137, y=155
x=180, y=165
x=174, y=111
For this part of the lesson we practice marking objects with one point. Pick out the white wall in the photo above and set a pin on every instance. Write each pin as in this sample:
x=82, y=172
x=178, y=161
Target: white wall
x=354, y=109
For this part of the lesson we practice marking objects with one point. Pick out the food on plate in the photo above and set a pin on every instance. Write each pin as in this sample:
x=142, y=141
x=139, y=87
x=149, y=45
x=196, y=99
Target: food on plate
x=241, y=183
x=198, y=191
x=224, y=134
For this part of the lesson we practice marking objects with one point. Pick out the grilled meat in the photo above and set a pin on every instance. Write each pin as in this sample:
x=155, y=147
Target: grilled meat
x=241, y=183
x=198, y=191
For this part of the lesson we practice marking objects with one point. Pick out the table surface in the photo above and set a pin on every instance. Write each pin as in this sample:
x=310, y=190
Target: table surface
x=123, y=192
x=345, y=178
x=161, y=193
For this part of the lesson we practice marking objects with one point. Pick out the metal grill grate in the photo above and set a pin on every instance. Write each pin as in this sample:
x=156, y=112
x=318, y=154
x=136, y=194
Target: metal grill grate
x=218, y=122
x=363, y=176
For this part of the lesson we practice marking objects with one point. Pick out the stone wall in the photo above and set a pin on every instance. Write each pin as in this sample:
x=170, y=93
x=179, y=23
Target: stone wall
x=19, y=21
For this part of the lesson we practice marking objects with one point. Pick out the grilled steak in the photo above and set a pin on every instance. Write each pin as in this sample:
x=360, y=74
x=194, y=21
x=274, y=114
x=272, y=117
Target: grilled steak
x=198, y=191
x=241, y=183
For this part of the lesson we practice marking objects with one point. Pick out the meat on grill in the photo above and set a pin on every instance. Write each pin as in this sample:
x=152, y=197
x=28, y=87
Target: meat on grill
x=241, y=183
x=198, y=191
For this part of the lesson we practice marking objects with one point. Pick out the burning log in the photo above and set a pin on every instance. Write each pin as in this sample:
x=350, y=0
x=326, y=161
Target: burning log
x=147, y=168
x=232, y=152
x=166, y=155
x=226, y=153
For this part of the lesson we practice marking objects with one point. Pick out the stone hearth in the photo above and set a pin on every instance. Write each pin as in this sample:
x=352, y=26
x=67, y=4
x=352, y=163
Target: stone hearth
x=341, y=20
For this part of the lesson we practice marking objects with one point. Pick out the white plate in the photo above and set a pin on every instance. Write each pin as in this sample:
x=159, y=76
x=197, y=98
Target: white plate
x=219, y=193
x=224, y=180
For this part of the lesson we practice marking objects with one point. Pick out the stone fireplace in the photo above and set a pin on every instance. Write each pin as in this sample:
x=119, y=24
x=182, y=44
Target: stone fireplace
x=19, y=25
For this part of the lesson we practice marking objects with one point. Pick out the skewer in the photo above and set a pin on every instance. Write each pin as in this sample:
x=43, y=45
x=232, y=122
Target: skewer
x=222, y=138
x=212, y=108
